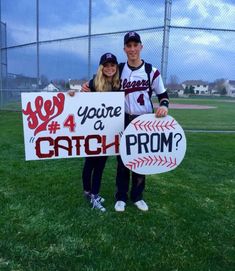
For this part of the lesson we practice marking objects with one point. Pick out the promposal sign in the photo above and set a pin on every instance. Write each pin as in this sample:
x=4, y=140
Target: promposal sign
x=151, y=145
x=59, y=126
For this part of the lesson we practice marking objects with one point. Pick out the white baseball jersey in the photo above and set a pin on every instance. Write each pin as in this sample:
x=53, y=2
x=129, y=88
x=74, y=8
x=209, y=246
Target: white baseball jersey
x=136, y=87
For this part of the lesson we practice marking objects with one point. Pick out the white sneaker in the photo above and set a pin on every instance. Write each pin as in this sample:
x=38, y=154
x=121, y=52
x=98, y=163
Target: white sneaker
x=141, y=204
x=120, y=206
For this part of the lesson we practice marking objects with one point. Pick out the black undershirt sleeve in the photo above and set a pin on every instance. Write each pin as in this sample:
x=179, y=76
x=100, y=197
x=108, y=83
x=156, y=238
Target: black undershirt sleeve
x=163, y=99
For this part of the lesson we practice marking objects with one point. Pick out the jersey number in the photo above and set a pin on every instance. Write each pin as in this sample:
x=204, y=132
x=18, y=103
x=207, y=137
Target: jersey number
x=140, y=99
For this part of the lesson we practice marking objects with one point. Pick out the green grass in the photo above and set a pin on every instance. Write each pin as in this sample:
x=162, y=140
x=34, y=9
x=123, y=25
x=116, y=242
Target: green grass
x=222, y=117
x=46, y=225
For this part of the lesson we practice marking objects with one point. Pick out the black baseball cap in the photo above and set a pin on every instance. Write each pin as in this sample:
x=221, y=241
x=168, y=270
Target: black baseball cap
x=132, y=36
x=108, y=57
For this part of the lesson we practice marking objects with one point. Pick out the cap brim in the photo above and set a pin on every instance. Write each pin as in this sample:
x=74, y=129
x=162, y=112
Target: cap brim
x=109, y=61
x=133, y=39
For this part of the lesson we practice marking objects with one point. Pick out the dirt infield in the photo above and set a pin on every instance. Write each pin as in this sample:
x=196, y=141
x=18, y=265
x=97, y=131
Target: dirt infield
x=188, y=106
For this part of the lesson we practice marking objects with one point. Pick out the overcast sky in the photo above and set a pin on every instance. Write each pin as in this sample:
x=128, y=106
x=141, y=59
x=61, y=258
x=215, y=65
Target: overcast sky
x=193, y=54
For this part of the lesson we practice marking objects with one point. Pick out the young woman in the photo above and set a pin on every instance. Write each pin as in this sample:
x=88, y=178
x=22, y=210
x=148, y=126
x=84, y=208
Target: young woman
x=106, y=79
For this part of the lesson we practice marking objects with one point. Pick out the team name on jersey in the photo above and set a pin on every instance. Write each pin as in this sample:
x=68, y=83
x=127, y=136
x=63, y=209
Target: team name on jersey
x=134, y=84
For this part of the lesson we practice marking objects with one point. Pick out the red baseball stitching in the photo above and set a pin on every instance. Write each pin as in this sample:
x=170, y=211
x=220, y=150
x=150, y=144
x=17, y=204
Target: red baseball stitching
x=151, y=161
x=153, y=125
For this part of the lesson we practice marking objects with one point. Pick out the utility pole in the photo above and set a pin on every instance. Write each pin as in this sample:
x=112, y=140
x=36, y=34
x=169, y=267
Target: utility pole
x=165, y=43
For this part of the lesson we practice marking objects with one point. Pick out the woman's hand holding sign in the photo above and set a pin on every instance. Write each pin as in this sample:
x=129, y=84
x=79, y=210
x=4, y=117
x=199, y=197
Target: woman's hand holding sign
x=85, y=87
x=71, y=92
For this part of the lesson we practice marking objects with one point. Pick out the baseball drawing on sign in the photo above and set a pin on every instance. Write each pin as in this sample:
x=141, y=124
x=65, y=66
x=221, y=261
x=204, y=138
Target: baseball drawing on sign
x=151, y=145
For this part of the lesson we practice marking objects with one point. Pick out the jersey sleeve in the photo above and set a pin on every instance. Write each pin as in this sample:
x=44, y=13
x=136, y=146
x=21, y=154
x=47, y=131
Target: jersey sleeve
x=157, y=83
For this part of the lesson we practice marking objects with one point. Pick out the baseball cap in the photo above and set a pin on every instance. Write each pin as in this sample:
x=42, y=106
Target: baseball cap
x=108, y=57
x=132, y=36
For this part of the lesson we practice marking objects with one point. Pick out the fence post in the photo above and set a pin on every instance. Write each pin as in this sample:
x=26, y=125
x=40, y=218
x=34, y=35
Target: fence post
x=165, y=43
x=89, y=39
x=37, y=38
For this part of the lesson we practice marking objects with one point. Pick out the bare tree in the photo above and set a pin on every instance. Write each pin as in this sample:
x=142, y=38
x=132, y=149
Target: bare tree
x=174, y=80
x=220, y=86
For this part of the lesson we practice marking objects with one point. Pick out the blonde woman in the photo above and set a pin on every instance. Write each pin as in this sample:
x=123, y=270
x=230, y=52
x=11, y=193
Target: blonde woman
x=106, y=79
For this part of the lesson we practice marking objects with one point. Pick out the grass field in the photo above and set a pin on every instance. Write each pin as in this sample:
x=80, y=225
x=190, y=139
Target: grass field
x=222, y=117
x=46, y=225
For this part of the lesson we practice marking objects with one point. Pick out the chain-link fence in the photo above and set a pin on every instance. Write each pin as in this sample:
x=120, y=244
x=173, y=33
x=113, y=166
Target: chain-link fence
x=54, y=42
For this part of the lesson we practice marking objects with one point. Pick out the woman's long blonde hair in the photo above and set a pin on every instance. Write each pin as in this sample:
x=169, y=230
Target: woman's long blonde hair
x=101, y=82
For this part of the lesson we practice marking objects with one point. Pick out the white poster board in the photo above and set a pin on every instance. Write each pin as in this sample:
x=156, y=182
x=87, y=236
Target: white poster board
x=59, y=126
x=151, y=145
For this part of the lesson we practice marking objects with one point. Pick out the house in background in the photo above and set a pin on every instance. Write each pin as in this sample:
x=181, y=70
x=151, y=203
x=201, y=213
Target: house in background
x=200, y=87
x=230, y=87
x=175, y=89
x=51, y=87
x=76, y=84
x=213, y=89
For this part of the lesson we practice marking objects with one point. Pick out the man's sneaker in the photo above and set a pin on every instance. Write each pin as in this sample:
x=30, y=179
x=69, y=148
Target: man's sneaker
x=141, y=204
x=120, y=206
x=96, y=203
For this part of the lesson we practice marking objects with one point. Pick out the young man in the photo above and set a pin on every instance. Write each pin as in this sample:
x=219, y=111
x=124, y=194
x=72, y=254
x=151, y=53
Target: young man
x=138, y=80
